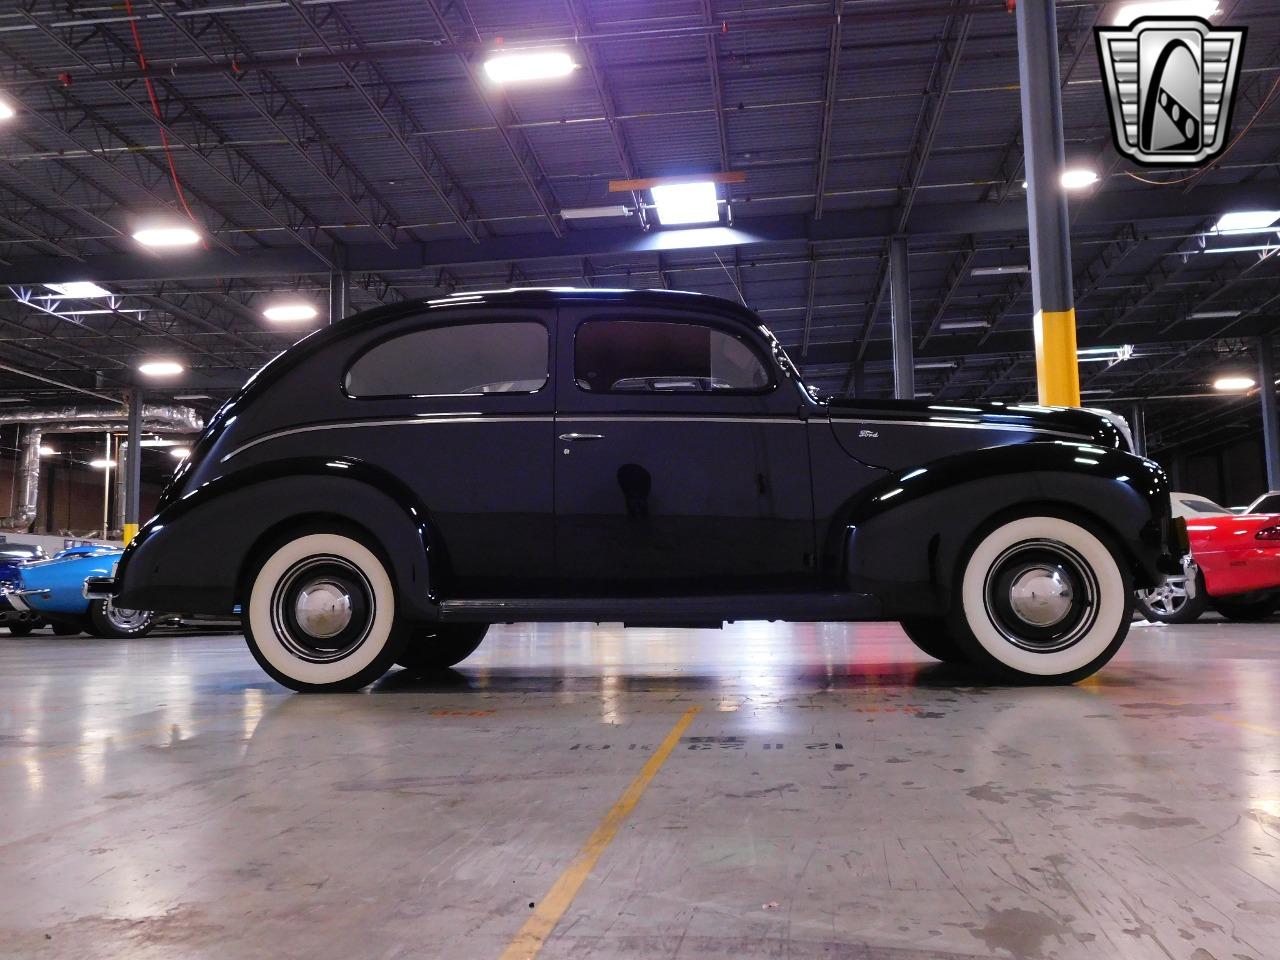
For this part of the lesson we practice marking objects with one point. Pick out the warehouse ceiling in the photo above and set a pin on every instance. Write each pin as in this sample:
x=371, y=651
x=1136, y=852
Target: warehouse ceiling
x=308, y=136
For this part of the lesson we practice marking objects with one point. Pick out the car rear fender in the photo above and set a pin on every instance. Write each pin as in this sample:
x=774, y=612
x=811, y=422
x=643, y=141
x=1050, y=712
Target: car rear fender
x=193, y=557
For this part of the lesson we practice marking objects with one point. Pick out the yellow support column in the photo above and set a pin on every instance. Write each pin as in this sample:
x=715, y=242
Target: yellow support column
x=1057, y=366
x=130, y=531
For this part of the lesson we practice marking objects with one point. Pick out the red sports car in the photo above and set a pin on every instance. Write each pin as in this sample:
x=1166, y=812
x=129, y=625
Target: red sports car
x=1238, y=557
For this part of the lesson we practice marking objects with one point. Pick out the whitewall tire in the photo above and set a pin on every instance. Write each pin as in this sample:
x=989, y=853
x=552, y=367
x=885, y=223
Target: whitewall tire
x=1042, y=599
x=321, y=614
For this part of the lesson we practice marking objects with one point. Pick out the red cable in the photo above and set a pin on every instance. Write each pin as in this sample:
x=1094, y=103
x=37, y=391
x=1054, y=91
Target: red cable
x=155, y=109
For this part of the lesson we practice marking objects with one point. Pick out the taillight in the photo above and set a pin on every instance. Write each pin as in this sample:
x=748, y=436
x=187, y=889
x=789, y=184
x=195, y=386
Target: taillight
x=1269, y=533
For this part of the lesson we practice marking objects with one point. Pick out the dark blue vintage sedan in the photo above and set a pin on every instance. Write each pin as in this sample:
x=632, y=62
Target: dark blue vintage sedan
x=394, y=483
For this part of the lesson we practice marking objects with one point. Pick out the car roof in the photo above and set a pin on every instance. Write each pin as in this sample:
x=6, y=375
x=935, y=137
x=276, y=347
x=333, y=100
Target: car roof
x=542, y=297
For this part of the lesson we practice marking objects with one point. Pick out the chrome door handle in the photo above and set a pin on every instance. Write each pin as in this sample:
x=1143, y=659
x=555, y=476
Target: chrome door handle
x=581, y=436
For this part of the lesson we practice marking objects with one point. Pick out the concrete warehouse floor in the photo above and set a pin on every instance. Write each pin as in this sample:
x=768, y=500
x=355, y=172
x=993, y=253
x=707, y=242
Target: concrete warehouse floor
x=834, y=795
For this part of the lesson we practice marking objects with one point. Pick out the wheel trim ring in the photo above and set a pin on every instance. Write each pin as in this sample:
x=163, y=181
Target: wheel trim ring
x=1088, y=596
x=283, y=597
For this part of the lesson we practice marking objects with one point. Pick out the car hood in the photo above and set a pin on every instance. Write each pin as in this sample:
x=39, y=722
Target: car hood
x=899, y=433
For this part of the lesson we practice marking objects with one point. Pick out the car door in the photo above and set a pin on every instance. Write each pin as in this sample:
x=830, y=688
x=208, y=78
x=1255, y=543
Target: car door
x=460, y=410
x=681, y=459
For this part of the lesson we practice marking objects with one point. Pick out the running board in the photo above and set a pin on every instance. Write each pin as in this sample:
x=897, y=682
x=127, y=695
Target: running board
x=666, y=611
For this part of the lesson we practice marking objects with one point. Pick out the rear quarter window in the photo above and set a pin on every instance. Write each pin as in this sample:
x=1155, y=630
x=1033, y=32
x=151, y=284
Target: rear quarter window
x=462, y=359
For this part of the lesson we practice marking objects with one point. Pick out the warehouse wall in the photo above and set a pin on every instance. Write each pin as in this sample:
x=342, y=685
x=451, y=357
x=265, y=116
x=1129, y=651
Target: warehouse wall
x=70, y=497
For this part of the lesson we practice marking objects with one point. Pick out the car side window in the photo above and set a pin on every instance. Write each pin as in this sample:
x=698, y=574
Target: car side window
x=457, y=360
x=653, y=356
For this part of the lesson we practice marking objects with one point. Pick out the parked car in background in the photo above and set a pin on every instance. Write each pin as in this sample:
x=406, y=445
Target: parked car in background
x=1269, y=502
x=12, y=557
x=1238, y=561
x=54, y=590
x=395, y=482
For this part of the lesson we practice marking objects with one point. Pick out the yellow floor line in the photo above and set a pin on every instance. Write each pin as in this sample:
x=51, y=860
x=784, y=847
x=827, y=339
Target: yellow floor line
x=1256, y=728
x=533, y=935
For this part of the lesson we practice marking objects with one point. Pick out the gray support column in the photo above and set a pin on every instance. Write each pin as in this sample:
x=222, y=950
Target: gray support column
x=131, y=469
x=1057, y=368
x=904, y=371
x=28, y=477
x=338, y=287
x=859, y=379
x=1270, y=423
x=1138, y=427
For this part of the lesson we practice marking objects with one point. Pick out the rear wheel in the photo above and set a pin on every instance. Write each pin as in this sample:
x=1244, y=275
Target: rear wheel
x=321, y=612
x=931, y=636
x=1042, y=599
x=19, y=628
x=437, y=646
x=107, y=620
x=1246, y=611
x=1169, y=602
x=66, y=628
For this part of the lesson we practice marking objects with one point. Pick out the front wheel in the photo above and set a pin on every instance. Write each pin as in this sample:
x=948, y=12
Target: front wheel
x=20, y=628
x=110, y=622
x=438, y=646
x=1042, y=599
x=321, y=612
x=932, y=636
x=1170, y=602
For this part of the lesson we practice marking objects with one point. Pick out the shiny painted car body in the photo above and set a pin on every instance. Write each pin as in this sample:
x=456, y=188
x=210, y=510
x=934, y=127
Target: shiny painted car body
x=56, y=586
x=1233, y=559
x=760, y=493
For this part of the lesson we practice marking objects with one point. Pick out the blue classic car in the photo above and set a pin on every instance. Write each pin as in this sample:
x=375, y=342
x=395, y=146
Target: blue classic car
x=53, y=590
x=13, y=556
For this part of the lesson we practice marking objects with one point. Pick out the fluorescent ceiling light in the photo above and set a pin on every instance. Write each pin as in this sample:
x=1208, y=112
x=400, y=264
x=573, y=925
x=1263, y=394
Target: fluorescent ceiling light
x=1214, y=314
x=1166, y=8
x=102, y=464
x=1233, y=383
x=289, y=312
x=1078, y=179
x=1000, y=271
x=13, y=400
x=160, y=368
x=1247, y=221
x=78, y=289
x=1096, y=390
x=936, y=365
x=594, y=213
x=6, y=110
x=180, y=453
x=520, y=66
x=166, y=236
x=192, y=396
x=963, y=325
x=679, y=203
x=48, y=452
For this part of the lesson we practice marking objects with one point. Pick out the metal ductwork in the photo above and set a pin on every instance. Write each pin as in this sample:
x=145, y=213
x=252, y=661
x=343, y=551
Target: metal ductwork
x=38, y=421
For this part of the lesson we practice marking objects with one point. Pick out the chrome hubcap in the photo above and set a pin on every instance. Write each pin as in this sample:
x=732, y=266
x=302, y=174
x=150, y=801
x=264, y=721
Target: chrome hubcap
x=1041, y=596
x=323, y=609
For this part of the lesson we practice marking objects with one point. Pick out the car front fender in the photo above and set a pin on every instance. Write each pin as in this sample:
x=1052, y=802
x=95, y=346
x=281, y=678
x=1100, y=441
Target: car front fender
x=903, y=537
